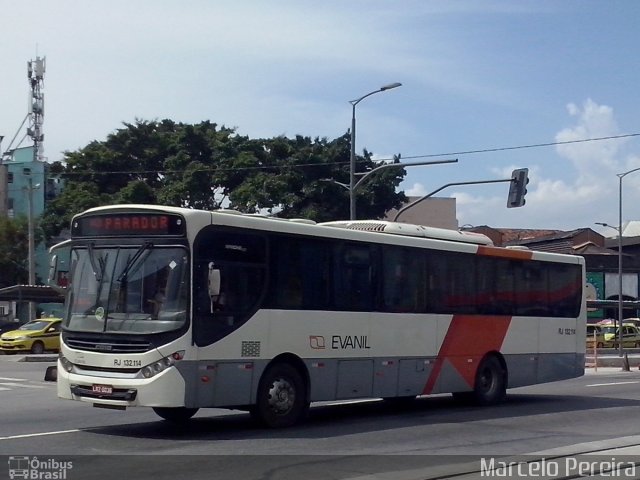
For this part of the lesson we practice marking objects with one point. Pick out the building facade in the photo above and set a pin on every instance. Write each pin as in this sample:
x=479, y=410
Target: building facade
x=25, y=189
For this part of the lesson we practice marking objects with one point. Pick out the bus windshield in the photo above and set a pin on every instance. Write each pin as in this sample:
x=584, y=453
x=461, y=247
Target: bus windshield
x=140, y=289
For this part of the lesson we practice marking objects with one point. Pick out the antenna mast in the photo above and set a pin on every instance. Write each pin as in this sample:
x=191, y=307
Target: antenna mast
x=36, y=69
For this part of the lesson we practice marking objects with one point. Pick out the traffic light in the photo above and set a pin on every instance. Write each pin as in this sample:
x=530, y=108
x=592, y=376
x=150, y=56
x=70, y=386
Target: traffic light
x=518, y=187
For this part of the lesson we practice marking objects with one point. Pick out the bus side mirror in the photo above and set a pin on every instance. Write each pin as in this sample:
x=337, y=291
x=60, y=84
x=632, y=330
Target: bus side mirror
x=213, y=283
x=57, y=277
x=53, y=270
x=213, y=286
x=52, y=279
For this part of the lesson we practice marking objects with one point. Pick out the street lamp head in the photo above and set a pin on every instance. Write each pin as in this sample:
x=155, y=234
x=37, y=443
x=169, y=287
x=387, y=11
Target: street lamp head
x=624, y=174
x=604, y=224
x=390, y=86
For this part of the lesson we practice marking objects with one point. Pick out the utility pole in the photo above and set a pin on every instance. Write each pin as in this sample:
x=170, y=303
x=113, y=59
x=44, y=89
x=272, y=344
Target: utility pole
x=32, y=252
x=3, y=183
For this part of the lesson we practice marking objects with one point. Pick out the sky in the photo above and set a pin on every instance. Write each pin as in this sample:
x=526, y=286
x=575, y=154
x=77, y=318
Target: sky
x=520, y=83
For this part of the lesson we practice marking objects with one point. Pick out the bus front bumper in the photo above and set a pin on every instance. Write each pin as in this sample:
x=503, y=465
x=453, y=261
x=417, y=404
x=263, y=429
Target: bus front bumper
x=166, y=389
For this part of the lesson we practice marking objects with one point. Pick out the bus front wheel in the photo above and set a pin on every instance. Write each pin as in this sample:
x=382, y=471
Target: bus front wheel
x=281, y=400
x=175, y=414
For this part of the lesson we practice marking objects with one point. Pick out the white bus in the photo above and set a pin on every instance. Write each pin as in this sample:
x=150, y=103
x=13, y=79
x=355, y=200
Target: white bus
x=180, y=309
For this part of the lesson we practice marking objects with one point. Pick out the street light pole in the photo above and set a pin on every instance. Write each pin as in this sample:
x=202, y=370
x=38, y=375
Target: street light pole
x=31, y=243
x=381, y=167
x=620, y=229
x=352, y=157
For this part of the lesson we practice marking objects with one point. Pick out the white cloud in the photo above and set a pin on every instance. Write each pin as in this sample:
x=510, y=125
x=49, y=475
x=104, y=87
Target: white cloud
x=416, y=190
x=587, y=193
x=593, y=121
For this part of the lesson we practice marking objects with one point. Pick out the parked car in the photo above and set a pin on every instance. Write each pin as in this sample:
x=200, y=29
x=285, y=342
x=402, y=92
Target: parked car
x=633, y=321
x=630, y=336
x=595, y=336
x=35, y=336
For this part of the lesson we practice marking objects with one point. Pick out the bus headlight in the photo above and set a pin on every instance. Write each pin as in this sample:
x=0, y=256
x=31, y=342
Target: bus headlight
x=66, y=364
x=161, y=365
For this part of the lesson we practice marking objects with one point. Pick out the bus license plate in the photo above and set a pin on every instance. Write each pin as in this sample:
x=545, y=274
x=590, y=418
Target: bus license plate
x=102, y=389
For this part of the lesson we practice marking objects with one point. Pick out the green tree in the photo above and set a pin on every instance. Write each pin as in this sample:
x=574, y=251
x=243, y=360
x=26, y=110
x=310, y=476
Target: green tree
x=299, y=180
x=74, y=198
x=14, y=251
x=208, y=167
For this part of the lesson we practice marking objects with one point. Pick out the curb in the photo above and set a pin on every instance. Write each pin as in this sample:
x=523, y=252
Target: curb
x=38, y=358
x=613, y=361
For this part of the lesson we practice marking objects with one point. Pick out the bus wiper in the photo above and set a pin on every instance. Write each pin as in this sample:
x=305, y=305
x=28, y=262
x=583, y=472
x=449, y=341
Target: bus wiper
x=133, y=262
x=98, y=268
x=97, y=271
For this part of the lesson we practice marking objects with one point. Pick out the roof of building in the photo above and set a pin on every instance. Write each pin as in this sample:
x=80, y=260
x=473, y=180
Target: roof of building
x=554, y=241
x=629, y=229
x=31, y=293
x=510, y=235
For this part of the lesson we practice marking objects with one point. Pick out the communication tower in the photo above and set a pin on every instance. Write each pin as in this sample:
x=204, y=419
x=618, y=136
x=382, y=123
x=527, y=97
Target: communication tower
x=36, y=69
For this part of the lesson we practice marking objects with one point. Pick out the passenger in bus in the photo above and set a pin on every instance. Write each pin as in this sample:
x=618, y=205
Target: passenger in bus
x=158, y=300
x=160, y=295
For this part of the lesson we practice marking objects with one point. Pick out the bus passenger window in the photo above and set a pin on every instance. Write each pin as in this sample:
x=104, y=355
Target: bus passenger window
x=353, y=286
x=402, y=280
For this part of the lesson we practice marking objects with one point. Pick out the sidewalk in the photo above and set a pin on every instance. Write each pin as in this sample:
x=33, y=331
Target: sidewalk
x=613, y=360
x=28, y=357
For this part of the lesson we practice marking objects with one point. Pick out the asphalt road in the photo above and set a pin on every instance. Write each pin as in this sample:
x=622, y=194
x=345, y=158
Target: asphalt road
x=349, y=440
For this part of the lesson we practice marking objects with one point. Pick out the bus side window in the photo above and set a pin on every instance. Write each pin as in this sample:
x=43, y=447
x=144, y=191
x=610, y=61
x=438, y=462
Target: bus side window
x=531, y=289
x=402, y=280
x=289, y=275
x=504, y=287
x=353, y=288
x=299, y=274
x=565, y=288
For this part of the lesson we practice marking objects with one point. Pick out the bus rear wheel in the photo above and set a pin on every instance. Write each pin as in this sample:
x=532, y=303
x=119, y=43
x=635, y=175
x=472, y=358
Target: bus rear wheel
x=175, y=414
x=491, y=382
x=282, y=399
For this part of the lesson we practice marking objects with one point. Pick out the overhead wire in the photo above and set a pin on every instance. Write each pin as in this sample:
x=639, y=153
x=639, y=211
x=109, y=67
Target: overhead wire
x=411, y=157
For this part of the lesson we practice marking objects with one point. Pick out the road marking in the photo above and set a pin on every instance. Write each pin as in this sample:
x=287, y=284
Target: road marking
x=9, y=379
x=612, y=383
x=41, y=434
x=20, y=385
x=2, y=388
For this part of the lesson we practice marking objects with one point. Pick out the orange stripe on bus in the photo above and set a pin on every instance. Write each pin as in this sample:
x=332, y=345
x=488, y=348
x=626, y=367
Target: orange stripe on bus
x=468, y=336
x=505, y=253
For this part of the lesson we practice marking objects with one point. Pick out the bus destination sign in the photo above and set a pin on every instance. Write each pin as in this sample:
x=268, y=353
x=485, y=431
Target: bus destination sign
x=154, y=224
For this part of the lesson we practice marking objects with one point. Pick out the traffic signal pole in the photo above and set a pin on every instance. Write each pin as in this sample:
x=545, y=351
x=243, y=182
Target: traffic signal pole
x=517, y=190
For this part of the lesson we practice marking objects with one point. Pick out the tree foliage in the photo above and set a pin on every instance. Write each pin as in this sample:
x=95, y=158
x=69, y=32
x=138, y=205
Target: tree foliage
x=14, y=251
x=208, y=167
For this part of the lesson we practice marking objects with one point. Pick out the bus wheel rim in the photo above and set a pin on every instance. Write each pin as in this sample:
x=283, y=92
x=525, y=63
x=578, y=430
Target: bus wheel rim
x=282, y=396
x=487, y=380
